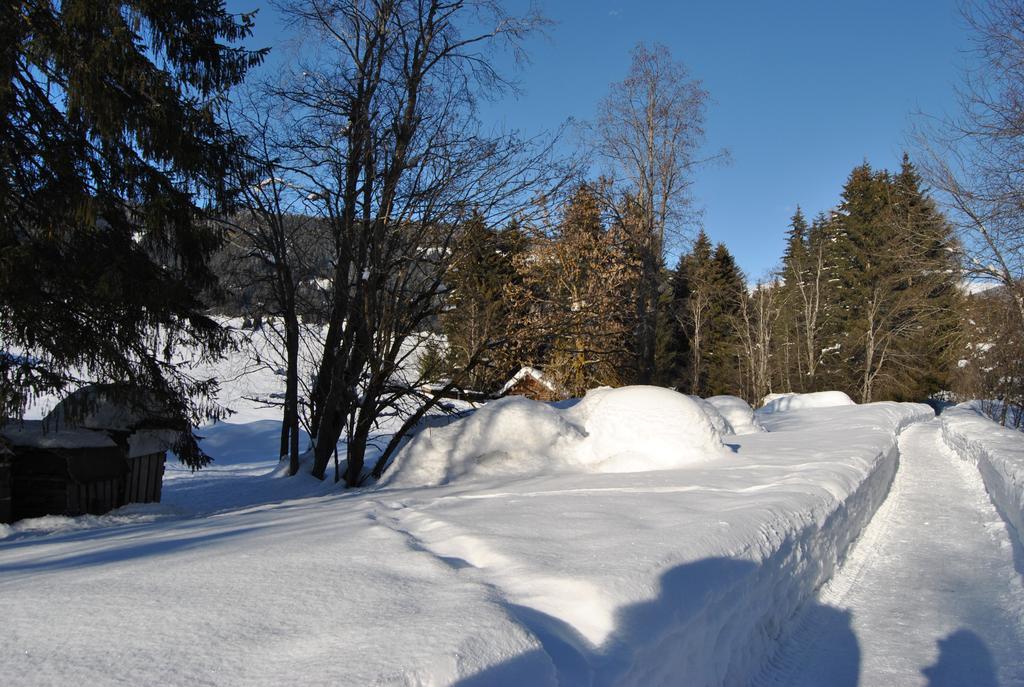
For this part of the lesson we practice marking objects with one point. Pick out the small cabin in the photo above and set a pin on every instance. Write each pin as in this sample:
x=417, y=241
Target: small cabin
x=533, y=384
x=93, y=460
x=70, y=472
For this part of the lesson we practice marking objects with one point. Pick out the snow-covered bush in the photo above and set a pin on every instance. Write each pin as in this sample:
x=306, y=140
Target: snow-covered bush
x=631, y=429
x=819, y=399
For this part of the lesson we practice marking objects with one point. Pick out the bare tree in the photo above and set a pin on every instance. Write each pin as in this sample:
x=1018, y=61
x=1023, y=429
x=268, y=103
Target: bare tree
x=384, y=137
x=808, y=271
x=756, y=326
x=278, y=243
x=696, y=316
x=650, y=127
x=976, y=160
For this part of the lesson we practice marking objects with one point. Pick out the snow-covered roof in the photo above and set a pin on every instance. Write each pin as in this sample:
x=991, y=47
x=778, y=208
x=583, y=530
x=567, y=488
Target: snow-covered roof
x=111, y=407
x=525, y=372
x=33, y=434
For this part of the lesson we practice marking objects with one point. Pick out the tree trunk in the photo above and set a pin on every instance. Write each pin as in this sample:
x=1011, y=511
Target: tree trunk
x=291, y=401
x=332, y=422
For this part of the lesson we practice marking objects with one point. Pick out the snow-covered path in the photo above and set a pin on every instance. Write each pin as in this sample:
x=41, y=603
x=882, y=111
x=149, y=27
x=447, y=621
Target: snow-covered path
x=930, y=594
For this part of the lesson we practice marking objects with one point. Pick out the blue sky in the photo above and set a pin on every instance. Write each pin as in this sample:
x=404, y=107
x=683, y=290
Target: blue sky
x=802, y=91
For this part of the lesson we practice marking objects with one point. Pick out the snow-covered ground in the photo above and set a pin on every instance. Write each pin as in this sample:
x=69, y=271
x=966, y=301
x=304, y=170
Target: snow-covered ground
x=930, y=594
x=634, y=537
x=570, y=576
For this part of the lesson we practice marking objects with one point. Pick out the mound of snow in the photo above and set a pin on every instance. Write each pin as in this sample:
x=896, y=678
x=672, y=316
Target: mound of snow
x=720, y=423
x=997, y=451
x=512, y=435
x=631, y=429
x=817, y=399
x=772, y=397
x=638, y=428
x=737, y=413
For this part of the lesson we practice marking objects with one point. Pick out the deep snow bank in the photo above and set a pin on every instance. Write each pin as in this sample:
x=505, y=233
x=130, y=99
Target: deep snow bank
x=683, y=576
x=780, y=403
x=998, y=453
x=630, y=429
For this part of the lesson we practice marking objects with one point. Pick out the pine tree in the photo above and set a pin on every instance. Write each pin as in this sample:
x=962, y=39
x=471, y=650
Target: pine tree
x=477, y=313
x=728, y=290
x=937, y=271
x=890, y=260
x=697, y=311
x=796, y=244
x=112, y=156
x=673, y=346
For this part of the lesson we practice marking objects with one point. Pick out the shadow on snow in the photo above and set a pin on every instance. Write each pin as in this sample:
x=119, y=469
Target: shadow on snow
x=675, y=638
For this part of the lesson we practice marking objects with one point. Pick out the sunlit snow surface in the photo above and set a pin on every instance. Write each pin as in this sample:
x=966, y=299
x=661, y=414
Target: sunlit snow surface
x=630, y=429
x=667, y=576
x=929, y=594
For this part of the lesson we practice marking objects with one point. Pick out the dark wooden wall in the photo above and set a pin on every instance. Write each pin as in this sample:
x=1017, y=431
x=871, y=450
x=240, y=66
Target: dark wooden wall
x=6, y=480
x=44, y=482
x=145, y=478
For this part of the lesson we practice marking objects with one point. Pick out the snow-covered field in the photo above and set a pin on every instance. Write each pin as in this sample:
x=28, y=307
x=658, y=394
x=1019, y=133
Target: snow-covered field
x=602, y=562
x=633, y=537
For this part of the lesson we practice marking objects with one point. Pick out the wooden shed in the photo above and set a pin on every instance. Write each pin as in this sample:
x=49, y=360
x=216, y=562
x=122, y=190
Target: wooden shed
x=532, y=383
x=68, y=472
x=99, y=449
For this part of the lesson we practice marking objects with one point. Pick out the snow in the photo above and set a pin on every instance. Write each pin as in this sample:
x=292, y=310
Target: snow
x=34, y=434
x=780, y=403
x=630, y=429
x=929, y=594
x=771, y=397
x=611, y=540
x=998, y=453
x=718, y=420
x=522, y=374
x=104, y=407
x=570, y=576
x=737, y=413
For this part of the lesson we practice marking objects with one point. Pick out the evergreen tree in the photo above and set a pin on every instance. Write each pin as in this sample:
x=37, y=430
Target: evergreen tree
x=728, y=289
x=697, y=311
x=937, y=274
x=477, y=313
x=673, y=345
x=112, y=155
x=892, y=279
x=796, y=244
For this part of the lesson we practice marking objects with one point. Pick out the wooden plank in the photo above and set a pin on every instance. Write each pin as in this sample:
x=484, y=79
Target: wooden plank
x=154, y=481
x=137, y=496
x=161, y=460
x=147, y=483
